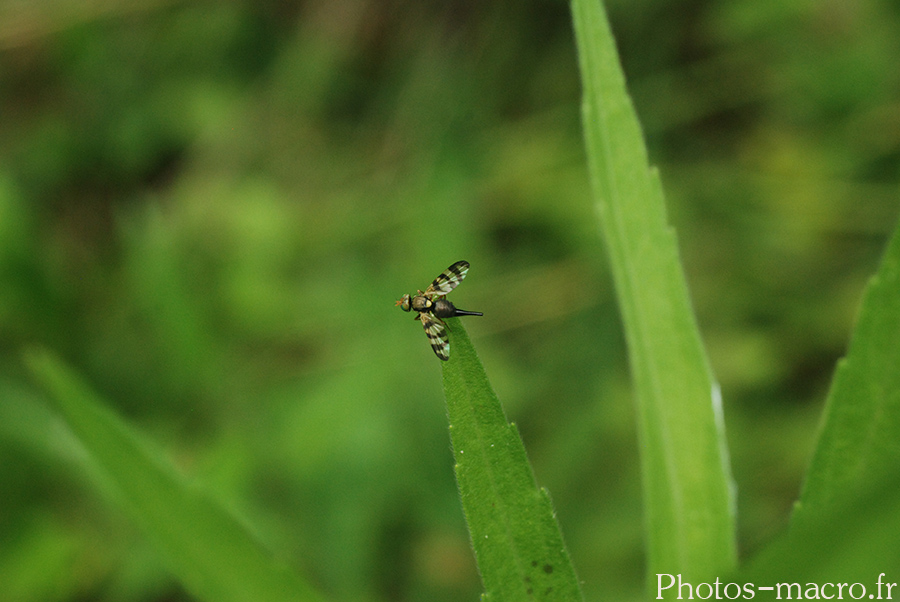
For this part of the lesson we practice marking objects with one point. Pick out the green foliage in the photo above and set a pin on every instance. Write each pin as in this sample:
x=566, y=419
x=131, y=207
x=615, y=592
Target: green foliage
x=209, y=209
x=514, y=532
x=845, y=525
x=686, y=477
x=853, y=539
x=847, y=504
x=858, y=444
x=212, y=553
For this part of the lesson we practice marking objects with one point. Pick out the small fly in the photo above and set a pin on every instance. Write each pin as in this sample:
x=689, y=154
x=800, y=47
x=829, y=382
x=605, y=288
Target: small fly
x=431, y=306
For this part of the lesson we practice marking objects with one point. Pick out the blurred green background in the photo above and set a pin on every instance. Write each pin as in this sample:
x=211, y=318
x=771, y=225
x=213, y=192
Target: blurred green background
x=209, y=210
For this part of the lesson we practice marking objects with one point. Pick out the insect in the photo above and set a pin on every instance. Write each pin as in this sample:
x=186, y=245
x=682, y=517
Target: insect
x=431, y=306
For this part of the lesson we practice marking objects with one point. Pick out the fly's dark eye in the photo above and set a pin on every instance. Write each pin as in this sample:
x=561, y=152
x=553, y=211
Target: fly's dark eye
x=403, y=303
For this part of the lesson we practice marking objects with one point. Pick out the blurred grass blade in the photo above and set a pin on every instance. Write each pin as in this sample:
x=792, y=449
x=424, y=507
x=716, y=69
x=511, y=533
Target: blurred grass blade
x=686, y=478
x=858, y=441
x=850, y=541
x=517, y=541
x=209, y=550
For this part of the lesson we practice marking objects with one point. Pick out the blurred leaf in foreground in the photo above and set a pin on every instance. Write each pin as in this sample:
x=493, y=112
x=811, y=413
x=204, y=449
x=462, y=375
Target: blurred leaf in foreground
x=211, y=552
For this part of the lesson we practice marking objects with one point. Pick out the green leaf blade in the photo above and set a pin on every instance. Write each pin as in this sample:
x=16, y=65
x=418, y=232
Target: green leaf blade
x=688, y=492
x=517, y=541
x=859, y=440
x=211, y=552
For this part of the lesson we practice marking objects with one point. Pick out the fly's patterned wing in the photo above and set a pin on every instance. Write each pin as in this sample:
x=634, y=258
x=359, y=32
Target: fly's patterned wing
x=449, y=279
x=437, y=335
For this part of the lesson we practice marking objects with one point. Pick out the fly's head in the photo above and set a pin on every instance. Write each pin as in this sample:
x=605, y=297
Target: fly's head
x=404, y=302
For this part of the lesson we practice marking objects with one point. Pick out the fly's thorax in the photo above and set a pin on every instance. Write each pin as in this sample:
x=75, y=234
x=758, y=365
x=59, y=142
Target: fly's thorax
x=421, y=303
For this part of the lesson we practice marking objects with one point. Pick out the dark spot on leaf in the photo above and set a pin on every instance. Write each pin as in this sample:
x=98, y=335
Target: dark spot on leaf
x=534, y=563
x=548, y=568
